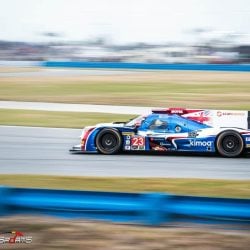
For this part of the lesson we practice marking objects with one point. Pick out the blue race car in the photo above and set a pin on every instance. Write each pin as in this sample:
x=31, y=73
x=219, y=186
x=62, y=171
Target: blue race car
x=173, y=129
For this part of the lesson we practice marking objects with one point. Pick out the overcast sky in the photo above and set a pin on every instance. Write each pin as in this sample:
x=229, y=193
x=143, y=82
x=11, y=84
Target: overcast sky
x=122, y=21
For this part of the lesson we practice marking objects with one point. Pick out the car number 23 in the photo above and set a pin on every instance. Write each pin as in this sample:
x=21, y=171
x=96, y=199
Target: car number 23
x=138, y=141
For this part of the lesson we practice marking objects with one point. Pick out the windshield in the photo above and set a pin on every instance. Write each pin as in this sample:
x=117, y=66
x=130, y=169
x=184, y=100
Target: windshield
x=135, y=121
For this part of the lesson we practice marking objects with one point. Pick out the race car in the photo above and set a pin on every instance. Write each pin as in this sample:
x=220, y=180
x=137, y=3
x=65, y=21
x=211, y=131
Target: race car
x=226, y=132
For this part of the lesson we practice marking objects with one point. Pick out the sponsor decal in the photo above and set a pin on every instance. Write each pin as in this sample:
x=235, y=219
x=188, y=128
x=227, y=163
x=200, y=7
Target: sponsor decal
x=165, y=144
x=248, y=139
x=226, y=113
x=193, y=134
x=127, y=147
x=127, y=142
x=156, y=147
x=15, y=237
x=196, y=143
x=157, y=139
x=176, y=111
x=128, y=133
x=219, y=113
x=159, y=148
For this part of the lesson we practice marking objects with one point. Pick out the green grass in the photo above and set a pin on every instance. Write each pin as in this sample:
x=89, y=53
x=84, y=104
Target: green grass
x=56, y=119
x=187, y=89
x=199, y=187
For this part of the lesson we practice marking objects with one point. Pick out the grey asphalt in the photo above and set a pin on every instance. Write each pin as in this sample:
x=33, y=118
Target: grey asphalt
x=28, y=150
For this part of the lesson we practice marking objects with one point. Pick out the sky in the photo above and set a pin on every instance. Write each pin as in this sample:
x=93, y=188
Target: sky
x=124, y=21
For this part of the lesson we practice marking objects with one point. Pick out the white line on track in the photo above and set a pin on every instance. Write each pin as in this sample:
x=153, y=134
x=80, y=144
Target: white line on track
x=44, y=106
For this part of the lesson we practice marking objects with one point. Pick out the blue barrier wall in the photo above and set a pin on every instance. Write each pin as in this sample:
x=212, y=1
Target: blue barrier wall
x=143, y=208
x=149, y=66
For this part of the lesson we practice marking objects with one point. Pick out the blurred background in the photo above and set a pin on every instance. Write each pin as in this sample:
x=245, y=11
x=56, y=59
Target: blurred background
x=161, y=31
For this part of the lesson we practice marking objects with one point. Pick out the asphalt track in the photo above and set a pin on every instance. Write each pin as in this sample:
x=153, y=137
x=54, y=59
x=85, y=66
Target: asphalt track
x=27, y=150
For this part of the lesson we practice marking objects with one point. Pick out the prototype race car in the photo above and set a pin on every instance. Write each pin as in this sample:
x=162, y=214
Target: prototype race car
x=226, y=132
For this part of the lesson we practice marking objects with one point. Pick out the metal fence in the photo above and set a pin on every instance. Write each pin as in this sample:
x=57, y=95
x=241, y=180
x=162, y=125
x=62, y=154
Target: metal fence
x=141, y=208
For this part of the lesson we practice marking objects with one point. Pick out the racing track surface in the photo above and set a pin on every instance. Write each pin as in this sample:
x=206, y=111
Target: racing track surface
x=26, y=150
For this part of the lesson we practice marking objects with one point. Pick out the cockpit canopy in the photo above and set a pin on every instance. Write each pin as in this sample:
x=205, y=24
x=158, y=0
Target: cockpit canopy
x=165, y=123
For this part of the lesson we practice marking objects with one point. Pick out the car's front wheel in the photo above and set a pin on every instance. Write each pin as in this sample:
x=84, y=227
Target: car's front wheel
x=230, y=144
x=109, y=141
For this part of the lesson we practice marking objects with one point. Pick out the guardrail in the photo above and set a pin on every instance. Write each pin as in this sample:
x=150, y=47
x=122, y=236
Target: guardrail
x=149, y=66
x=124, y=65
x=142, y=208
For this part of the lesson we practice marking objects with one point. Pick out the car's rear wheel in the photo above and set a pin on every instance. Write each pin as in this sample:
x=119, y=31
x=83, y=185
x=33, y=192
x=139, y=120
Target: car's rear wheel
x=230, y=144
x=109, y=141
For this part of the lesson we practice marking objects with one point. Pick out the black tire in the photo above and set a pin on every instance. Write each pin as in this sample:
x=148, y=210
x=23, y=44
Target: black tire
x=109, y=141
x=230, y=144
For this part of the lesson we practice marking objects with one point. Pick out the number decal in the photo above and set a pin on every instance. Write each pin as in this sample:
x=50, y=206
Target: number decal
x=138, y=143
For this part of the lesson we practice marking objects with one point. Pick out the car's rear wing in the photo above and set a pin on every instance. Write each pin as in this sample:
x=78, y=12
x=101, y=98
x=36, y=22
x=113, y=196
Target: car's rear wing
x=214, y=118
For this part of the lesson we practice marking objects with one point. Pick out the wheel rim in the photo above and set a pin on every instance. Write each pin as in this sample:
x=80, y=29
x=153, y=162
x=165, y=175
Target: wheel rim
x=108, y=142
x=231, y=144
